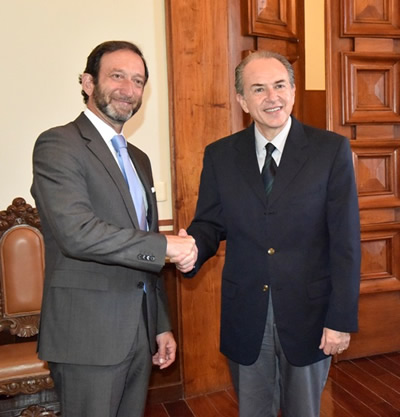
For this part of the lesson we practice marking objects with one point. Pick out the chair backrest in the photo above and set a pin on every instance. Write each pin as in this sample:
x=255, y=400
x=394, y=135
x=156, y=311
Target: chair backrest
x=21, y=279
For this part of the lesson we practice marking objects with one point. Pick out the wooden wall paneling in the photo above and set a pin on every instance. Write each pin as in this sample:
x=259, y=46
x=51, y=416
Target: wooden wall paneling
x=333, y=45
x=373, y=18
x=375, y=308
x=371, y=92
x=363, y=75
x=380, y=271
x=314, y=104
x=376, y=165
x=200, y=105
x=240, y=44
x=273, y=19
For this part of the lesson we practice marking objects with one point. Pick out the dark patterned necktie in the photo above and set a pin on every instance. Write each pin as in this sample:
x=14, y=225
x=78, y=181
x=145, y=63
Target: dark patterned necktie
x=269, y=169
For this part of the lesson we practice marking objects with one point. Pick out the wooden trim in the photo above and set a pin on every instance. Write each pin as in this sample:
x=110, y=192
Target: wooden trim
x=314, y=105
x=166, y=226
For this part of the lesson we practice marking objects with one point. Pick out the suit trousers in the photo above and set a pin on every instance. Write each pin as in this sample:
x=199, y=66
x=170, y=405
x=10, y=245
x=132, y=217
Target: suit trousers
x=106, y=391
x=272, y=383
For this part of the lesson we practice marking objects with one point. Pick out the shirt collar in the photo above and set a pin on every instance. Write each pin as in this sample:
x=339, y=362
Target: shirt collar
x=278, y=141
x=106, y=131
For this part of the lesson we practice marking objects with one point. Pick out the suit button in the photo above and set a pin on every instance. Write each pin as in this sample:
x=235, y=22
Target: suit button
x=140, y=285
x=265, y=288
x=271, y=251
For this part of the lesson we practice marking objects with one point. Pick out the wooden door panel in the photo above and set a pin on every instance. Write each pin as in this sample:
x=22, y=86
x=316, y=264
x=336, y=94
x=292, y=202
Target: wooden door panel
x=363, y=55
x=370, y=87
x=371, y=18
x=375, y=165
x=379, y=316
x=379, y=269
x=271, y=18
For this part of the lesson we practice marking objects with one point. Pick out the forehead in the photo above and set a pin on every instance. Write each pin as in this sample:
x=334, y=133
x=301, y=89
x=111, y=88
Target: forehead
x=123, y=59
x=265, y=70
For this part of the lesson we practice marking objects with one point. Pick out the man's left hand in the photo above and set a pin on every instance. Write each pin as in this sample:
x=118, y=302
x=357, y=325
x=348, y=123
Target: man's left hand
x=165, y=355
x=333, y=342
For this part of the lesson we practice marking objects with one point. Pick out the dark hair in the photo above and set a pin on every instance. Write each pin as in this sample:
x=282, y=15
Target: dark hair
x=93, y=60
x=259, y=55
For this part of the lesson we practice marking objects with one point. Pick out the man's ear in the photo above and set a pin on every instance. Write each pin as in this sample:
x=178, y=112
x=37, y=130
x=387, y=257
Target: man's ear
x=87, y=83
x=242, y=101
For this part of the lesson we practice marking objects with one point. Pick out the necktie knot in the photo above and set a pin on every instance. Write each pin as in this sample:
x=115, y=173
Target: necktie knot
x=270, y=148
x=119, y=142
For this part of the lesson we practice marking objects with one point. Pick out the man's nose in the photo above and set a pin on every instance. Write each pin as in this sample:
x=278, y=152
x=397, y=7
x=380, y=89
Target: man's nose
x=128, y=87
x=271, y=94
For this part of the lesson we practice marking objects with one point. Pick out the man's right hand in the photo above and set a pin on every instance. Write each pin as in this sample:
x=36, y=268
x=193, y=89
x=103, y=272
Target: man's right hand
x=182, y=251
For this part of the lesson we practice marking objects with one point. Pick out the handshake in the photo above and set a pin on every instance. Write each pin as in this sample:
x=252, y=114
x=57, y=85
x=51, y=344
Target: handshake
x=182, y=251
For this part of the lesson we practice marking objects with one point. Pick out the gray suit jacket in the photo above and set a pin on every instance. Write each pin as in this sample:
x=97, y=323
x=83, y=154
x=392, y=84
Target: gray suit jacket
x=97, y=260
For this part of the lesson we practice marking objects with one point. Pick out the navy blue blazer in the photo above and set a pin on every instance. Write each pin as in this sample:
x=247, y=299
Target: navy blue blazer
x=303, y=243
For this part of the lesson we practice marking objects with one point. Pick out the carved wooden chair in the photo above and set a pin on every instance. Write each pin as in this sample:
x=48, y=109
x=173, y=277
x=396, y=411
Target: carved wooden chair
x=25, y=382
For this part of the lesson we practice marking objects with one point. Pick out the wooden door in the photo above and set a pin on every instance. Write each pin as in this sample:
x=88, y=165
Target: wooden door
x=363, y=103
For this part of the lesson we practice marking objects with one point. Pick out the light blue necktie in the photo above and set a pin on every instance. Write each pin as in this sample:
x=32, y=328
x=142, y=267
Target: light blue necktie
x=135, y=187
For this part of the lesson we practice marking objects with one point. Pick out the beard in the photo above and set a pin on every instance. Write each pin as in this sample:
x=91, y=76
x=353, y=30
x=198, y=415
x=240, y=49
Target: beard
x=104, y=104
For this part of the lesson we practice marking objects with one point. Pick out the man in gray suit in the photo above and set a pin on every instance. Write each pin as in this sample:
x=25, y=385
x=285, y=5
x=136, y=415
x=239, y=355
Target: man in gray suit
x=104, y=315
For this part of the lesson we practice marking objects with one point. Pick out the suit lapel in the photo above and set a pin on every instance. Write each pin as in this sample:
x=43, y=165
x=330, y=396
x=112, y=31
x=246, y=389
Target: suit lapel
x=145, y=178
x=246, y=161
x=97, y=146
x=293, y=158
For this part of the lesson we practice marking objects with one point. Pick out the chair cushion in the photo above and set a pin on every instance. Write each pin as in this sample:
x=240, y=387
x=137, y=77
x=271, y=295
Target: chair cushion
x=22, y=270
x=20, y=360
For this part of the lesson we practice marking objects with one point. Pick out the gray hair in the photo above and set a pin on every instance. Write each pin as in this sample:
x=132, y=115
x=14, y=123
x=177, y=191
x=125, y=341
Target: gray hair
x=260, y=55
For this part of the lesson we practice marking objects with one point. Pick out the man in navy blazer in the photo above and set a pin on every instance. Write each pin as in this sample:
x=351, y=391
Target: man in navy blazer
x=290, y=283
x=104, y=316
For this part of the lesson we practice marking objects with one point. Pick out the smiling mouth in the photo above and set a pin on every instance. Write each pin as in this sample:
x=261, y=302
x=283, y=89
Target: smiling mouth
x=123, y=99
x=126, y=102
x=273, y=110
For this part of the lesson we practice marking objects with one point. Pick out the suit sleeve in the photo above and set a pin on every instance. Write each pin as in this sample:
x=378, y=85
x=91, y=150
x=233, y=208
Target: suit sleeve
x=68, y=194
x=344, y=243
x=208, y=226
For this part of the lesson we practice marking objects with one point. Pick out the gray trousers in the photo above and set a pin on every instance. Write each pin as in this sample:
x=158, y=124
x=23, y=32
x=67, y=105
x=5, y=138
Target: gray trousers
x=272, y=383
x=106, y=391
